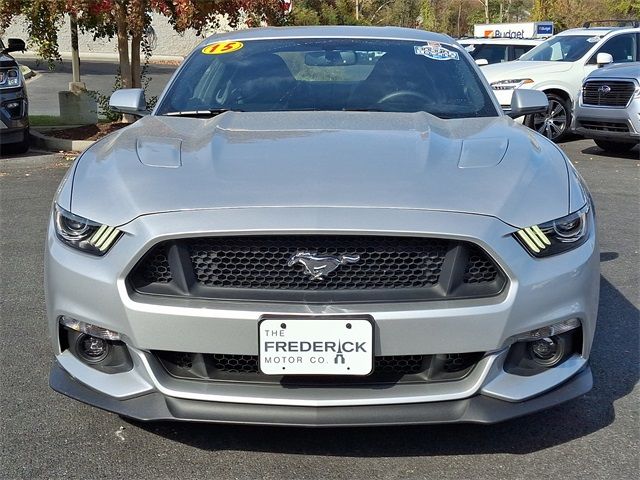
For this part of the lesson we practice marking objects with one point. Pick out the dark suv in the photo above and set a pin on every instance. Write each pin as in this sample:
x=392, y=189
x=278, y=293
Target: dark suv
x=14, y=106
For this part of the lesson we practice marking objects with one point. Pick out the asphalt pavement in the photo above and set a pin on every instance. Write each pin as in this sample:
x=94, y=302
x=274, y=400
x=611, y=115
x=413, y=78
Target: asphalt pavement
x=45, y=435
x=97, y=75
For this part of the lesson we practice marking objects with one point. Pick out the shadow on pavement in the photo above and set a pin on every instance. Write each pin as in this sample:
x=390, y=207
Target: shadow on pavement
x=8, y=153
x=615, y=362
x=633, y=154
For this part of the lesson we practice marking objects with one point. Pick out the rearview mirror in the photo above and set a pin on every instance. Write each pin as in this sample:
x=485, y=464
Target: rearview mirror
x=331, y=58
x=130, y=101
x=15, y=45
x=527, y=102
x=603, y=59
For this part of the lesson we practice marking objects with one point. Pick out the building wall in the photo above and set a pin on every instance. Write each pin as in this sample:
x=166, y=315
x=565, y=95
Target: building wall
x=169, y=42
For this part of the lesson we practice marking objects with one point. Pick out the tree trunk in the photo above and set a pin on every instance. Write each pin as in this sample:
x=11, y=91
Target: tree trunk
x=136, y=80
x=123, y=54
x=123, y=48
x=75, y=54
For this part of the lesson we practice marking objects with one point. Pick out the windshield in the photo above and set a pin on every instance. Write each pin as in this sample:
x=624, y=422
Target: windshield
x=329, y=74
x=564, y=48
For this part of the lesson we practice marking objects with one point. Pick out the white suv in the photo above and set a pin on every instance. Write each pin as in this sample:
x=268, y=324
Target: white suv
x=558, y=67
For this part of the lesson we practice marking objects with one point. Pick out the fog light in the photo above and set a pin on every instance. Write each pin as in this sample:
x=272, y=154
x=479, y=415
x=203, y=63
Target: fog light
x=547, y=351
x=92, y=349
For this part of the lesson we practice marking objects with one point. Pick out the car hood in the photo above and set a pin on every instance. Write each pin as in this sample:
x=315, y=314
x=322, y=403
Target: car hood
x=487, y=166
x=619, y=70
x=523, y=69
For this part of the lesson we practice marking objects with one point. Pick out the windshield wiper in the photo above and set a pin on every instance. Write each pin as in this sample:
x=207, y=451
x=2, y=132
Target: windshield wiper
x=200, y=113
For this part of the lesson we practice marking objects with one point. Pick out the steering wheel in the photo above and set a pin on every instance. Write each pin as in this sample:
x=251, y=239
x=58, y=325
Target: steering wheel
x=403, y=93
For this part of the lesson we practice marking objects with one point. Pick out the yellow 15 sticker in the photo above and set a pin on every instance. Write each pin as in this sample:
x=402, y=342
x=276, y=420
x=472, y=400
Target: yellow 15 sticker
x=222, y=47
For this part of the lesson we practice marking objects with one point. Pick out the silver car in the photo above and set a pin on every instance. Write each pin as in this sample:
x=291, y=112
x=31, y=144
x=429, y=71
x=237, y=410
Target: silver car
x=608, y=107
x=323, y=226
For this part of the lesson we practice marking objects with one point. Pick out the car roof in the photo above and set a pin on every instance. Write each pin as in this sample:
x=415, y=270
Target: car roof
x=597, y=31
x=501, y=41
x=381, y=33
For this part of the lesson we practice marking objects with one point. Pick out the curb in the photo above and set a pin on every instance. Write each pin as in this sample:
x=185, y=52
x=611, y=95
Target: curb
x=57, y=144
x=102, y=57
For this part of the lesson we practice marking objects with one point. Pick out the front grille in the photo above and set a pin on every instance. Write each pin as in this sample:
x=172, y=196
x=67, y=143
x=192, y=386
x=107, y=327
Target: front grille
x=387, y=369
x=607, y=93
x=259, y=268
x=603, y=126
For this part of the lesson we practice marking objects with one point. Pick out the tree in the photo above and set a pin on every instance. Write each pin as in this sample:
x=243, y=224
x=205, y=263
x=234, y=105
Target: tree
x=127, y=21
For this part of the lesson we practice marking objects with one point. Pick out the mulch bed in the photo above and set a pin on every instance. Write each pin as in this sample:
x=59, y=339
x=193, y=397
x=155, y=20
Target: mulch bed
x=87, y=132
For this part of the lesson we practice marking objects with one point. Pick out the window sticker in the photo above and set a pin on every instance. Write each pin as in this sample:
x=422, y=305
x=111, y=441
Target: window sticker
x=594, y=39
x=435, y=51
x=222, y=47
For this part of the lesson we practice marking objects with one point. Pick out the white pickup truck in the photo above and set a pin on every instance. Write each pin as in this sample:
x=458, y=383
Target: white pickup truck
x=558, y=67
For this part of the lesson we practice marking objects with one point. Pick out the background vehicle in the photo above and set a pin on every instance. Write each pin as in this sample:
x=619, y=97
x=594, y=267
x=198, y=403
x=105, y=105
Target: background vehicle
x=486, y=51
x=558, y=67
x=14, y=105
x=608, y=108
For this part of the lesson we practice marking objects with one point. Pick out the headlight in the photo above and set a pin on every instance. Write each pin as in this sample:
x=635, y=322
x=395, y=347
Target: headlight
x=557, y=236
x=10, y=78
x=510, y=84
x=83, y=234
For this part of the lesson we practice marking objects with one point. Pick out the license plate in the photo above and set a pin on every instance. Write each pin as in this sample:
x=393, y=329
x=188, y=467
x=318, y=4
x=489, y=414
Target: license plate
x=296, y=346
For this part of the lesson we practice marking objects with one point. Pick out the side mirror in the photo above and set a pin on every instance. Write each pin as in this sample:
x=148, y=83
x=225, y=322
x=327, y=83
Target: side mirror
x=603, y=59
x=527, y=102
x=15, y=45
x=130, y=101
x=481, y=62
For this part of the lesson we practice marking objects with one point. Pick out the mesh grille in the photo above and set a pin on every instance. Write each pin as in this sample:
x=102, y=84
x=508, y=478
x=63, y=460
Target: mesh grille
x=235, y=363
x=367, y=269
x=154, y=268
x=479, y=269
x=607, y=93
x=456, y=362
x=262, y=262
x=387, y=369
x=399, y=364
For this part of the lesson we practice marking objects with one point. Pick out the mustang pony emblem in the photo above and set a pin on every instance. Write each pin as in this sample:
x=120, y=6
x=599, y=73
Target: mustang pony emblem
x=319, y=266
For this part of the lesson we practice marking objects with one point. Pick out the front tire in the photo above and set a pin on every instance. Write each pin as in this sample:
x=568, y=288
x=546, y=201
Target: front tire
x=554, y=123
x=615, y=147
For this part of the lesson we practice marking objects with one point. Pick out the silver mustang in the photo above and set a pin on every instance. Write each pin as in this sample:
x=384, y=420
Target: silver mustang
x=323, y=226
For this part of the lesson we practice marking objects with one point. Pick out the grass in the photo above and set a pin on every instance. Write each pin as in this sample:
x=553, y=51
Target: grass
x=44, y=120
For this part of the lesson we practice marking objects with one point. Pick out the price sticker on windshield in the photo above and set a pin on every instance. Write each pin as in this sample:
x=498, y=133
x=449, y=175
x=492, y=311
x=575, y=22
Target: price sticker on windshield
x=222, y=47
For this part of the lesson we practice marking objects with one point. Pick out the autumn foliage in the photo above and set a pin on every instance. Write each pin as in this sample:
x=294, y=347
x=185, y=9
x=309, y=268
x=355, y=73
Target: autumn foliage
x=127, y=21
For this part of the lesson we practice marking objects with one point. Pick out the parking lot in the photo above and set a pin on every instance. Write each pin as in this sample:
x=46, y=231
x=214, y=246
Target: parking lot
x=45, y=435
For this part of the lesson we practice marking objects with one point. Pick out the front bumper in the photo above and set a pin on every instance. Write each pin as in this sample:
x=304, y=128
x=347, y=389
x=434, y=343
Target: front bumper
x=14, y=123
x=611, y=123
x=154, y=406
x=540, y=293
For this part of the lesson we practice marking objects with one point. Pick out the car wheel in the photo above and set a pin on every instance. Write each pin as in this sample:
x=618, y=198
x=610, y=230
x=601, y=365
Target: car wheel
x=554, y=123
x=616, y=147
